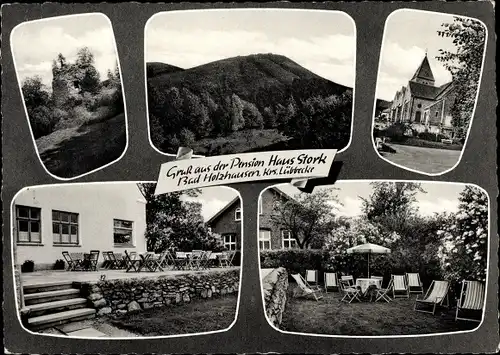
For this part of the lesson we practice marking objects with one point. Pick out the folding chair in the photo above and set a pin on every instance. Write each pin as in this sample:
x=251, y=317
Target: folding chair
x=72, y=264
x=414, y=281
x=131, y=261
x=399, y=285
x=436, y=295
x=351, y=293
x=106, y=264
x=383, y=294
x=205, y=259
x=224, y=259
x=158, y=260
x=306, y=288
x=331, y=280
x=349, y=280
x=471, y=299
x=312, y=276
x=93, y=260
x=231, y=256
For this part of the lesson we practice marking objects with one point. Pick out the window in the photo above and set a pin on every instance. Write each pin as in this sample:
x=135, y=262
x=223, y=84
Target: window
x=229, y=241
x=437, y=113
x=418, y=116
x=237, y=214
x=28, y=224
x=122, y=232
x=65, y=227
x=260, y=207
x=288, y=241
x=265, y=239
x=419, y=105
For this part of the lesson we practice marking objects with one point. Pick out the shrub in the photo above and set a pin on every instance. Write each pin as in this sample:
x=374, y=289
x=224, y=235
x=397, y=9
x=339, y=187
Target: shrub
x=59, y=264
x=28, y=266
x=396, y=132
x=428, y=136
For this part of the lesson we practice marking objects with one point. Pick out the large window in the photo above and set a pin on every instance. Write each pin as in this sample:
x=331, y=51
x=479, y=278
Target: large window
x=65, y=227
x=28, y=224
x=122, y=232
x=237, y=214
x=288, y=241
x=265, y=239
x=229, y=241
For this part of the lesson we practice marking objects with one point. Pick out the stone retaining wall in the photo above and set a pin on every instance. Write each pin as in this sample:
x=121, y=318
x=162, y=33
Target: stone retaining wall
x=275, y=286
x=118, y=297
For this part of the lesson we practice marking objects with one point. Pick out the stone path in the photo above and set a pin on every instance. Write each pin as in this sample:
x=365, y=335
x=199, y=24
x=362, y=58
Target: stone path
x=89, y=329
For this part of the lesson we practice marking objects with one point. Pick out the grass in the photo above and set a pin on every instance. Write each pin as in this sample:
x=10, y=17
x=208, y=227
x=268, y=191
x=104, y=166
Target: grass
x=238, y=142
x=417, y=142
x=195, y=317
x=331, y=316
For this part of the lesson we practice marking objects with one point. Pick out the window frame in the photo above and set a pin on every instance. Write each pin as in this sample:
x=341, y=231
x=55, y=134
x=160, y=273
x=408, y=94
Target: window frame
x=236, y=212
x=289, y=239
x=70, y=223
x=260, y=206
x=30, y=220
x=267, y=240
x=227, y=245
x=131, y=244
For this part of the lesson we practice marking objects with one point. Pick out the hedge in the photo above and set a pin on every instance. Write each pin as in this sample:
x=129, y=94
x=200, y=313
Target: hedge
x=300, y=260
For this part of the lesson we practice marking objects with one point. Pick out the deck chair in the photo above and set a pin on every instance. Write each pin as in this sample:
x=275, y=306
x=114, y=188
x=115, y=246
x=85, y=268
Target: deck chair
x=471, y=299
x=414, y=282
x=312, y=276
x=351, y=293
x=436, y=295
x=349, y=280
x=383, y=294
x=331, y=280
x=399, y=285
x=306, y=288
x=72, y=264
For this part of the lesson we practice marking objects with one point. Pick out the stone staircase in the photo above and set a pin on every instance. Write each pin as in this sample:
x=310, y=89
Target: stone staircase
x=53, y=304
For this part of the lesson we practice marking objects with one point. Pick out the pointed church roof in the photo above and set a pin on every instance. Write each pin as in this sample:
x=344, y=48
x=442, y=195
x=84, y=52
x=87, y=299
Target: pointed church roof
x=424, y=71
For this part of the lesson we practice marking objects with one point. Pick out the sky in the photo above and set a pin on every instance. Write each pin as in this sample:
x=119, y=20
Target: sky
x=440, y=197
x=36, y=43
x=213, y=199
x=407, y=35
x=321, y=41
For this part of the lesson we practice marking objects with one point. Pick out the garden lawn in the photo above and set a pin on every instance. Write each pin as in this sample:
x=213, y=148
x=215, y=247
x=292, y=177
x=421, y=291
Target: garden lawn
x=331, y=316
x=195, y=317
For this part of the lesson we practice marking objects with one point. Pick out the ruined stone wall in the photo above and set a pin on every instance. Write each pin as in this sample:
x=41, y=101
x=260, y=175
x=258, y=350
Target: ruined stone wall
x=275, y=286
x=132, y=295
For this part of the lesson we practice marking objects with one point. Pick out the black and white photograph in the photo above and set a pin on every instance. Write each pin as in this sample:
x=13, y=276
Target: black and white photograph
x=429, y=75
x=249, y=80
x=114, y=260
x=374, y=258
x=69, y=75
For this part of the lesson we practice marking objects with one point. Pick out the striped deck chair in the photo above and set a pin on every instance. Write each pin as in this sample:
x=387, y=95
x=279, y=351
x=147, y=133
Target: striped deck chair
x=471, y=299
x=436, y=295
x=414, y=282
x=331, y=280
x=348, y=279
x=312, y=276
x=306, y=288
x=399, y=285
x=351, y=293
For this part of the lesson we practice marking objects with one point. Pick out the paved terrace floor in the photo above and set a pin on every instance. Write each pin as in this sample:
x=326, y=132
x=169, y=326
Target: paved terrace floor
x=53, y=276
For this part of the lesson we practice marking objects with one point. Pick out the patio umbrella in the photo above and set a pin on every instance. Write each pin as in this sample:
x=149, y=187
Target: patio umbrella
x=368, y=248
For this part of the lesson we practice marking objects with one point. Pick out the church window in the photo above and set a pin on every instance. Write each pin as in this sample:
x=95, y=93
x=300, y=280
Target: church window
x=418, y=116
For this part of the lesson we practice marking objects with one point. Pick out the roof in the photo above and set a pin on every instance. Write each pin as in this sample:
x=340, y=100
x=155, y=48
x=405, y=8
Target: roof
x=237, y=198
x=427, y=91
x=424, y=71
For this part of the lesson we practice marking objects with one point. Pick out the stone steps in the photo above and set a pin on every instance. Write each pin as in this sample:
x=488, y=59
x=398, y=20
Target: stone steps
x=53, y=319
x=50, y=286
x=56, y=306
x=50, y=296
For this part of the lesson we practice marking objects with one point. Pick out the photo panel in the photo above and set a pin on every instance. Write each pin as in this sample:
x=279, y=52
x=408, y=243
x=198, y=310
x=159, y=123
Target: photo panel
x=373, y=258
x=114, y=260
x=428, y=83
x=246, y=80
x=69, y=75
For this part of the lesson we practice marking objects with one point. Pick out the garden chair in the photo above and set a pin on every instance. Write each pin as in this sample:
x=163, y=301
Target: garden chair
x=436, y=295
x=106, y=264
x=157, y=261
x=383, y=294
x=171, y=260
x=348, y=279
x=312, y=276
x=131, y=261
x=205, y=259
x=399, y=285
x=331, y=280
x=72, y=264
x=94, y=260
x=232, y=254
x=115, y=260
x=414, y=282
x=351, y=293
x=223, y=259
x=471, y=299
x=306, y=288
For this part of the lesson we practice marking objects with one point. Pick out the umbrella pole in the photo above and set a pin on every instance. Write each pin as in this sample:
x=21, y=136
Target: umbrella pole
x=368, y=265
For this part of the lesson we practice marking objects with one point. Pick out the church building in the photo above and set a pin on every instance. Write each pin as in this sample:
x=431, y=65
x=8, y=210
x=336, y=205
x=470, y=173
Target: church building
x=426, y=106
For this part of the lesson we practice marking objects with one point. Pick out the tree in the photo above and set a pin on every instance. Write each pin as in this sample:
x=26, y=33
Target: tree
x=39, y=107
x=85, y=63
x=464, y=249
x=308, y=217
x=84, y=57
x=464, y=64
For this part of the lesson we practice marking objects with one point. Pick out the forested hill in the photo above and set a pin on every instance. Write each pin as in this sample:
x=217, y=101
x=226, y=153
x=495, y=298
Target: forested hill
x=233, y=94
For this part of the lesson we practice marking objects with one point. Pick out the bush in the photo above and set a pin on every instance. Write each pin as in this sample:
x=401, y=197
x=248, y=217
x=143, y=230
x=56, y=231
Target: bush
x=428, y=136
x=59, y=264
x=396, y=132
x=28, y=266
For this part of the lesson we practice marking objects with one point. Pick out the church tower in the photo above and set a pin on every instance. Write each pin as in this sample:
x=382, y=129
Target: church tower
x=424, y=74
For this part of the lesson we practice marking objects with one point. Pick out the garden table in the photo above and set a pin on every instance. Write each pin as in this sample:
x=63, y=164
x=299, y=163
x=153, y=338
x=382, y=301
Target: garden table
x=365, y=283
